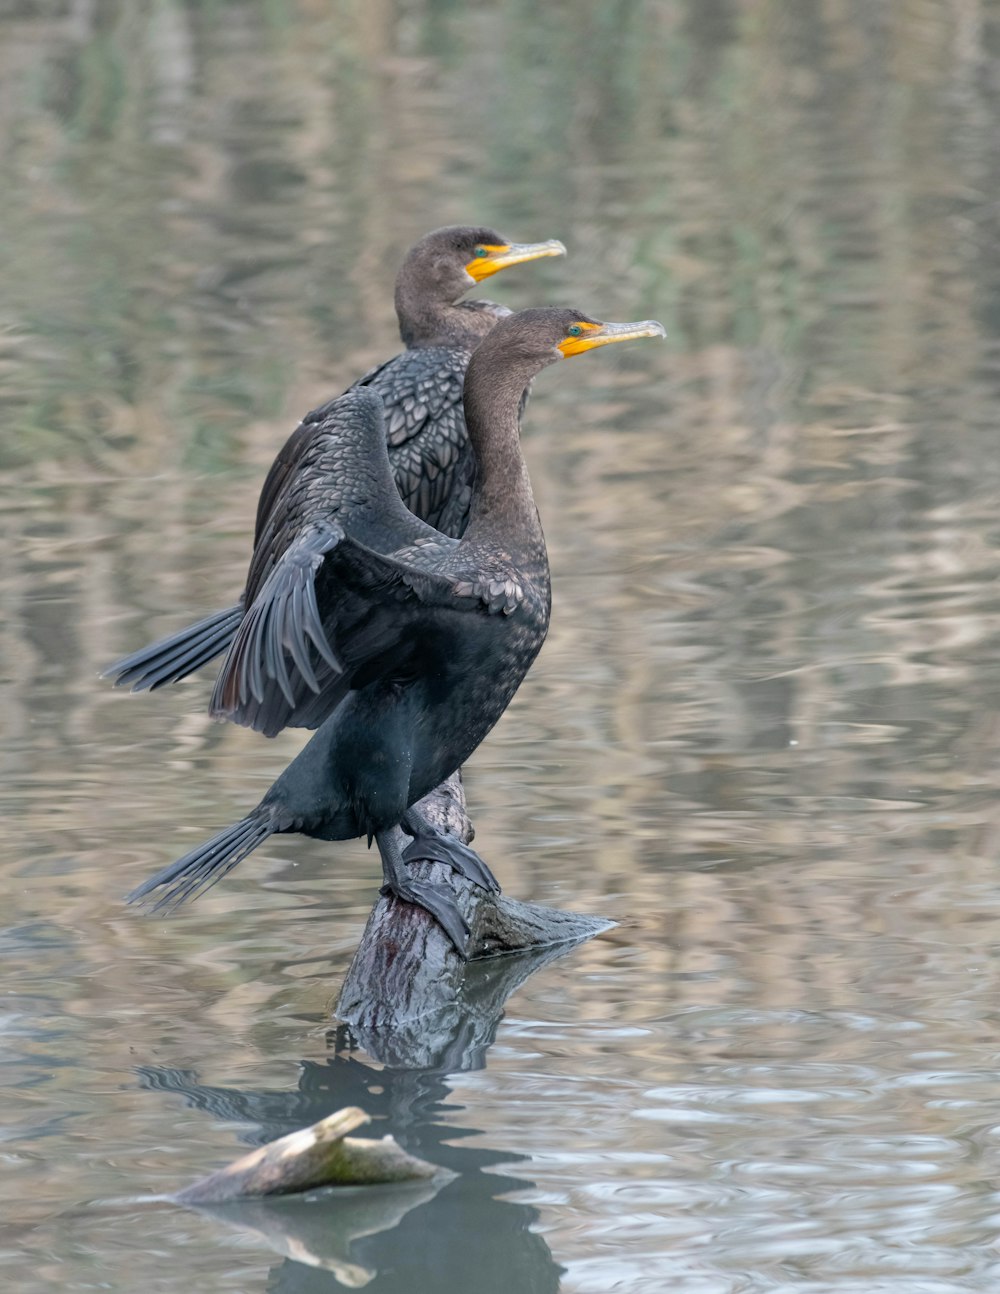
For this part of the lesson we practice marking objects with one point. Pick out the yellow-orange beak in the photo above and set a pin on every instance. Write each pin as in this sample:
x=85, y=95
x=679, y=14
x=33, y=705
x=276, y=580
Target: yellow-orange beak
x=603, y=334
x=500, y=256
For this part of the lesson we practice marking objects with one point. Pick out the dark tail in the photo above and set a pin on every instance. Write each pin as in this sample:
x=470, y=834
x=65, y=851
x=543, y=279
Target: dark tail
x=202, y=867
x=176, y=657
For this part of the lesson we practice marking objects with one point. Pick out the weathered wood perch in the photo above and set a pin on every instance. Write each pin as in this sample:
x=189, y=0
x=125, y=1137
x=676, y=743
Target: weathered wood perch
x=323, y=1155
x=407, y=987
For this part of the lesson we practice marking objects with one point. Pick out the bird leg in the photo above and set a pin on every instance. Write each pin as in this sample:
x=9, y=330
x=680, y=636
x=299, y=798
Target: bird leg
x=436, y=899
x=429, y=844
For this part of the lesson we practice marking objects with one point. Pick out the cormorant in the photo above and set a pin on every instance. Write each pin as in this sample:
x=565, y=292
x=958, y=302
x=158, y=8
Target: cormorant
x=421, y=390
x=423, y=646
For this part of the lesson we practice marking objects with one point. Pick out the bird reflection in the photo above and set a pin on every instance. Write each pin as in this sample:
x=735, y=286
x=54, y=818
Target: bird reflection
x=450, y=1234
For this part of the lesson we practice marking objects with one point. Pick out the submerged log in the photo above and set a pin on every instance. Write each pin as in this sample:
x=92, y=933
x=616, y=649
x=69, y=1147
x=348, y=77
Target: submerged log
x=408, y=995
x=323, y=1155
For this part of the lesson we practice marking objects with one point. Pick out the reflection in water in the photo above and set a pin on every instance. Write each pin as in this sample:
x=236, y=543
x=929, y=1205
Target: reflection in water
x=461, y=1232
x=319, y=1231
x=454, y=1028
x=463, y=1236
x=763, y=732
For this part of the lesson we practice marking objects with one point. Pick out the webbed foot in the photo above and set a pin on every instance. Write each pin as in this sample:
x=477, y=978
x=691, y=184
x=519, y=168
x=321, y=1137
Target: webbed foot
x=433, y=846
x=438, y=901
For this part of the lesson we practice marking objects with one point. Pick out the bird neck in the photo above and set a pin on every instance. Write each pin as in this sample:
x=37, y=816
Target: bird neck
x=426, y=320
x=503, y=499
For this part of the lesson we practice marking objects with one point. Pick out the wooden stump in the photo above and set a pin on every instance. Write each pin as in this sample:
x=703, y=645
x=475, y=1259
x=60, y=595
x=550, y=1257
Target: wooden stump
x=409, y=998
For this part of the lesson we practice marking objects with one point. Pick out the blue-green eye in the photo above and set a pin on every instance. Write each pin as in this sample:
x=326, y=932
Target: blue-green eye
x=574, y=330
x=480, y=251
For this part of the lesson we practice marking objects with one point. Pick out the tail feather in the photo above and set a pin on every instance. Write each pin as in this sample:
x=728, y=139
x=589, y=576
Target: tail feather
x=174, y=662
x=176, y=657
x=200, y=869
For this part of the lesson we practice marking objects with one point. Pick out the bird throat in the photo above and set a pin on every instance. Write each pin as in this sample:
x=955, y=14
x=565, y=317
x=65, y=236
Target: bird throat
x=503, y=501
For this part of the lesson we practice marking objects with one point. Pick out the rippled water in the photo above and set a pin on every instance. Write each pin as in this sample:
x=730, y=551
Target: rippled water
x=763, y=735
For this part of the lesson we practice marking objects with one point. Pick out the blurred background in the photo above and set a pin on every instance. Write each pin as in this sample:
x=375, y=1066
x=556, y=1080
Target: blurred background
x=763, y=735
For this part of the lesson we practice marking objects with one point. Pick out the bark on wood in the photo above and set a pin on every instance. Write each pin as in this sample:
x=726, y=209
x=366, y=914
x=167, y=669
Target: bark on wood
x=410, y=999
x=323, y=1155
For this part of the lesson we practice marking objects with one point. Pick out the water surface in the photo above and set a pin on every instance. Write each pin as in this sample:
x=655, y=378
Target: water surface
x=762, y=736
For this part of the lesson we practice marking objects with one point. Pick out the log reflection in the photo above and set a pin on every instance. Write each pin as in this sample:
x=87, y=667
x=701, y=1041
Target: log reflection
x=457, y=1234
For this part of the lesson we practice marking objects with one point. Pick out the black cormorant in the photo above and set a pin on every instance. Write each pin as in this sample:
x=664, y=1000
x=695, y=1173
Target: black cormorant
x=423, y=646
x=421, y=390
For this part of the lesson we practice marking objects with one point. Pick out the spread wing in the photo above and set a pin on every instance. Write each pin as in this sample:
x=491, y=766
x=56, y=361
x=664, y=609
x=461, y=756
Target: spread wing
x=334, y=614
x=336, y=468
x=421, y=390
x=280, y=472
x=296, y=455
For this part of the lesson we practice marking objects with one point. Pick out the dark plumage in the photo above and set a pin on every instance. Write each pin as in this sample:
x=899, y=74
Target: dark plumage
x=408, y=654
x=342, y=485
x=421, y=390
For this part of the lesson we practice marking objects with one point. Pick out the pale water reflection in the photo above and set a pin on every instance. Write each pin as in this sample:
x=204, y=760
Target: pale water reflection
x=764, y=732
